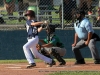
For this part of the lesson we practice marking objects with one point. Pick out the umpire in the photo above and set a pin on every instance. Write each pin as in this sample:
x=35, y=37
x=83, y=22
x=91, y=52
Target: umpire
x=52, y=46
x=84, y=31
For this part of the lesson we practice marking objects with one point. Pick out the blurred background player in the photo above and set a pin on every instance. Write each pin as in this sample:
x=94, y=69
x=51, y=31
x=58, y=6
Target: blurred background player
x=52, y=46
x=10, y=7
x=69, y=7
x=44, y=7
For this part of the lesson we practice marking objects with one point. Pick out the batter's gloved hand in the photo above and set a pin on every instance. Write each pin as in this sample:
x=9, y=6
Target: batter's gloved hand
x=46, y=22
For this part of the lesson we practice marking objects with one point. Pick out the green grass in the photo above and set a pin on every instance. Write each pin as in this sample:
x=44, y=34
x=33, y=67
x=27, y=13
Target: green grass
x=17, y=61
x=38, y=60
x=76, y=73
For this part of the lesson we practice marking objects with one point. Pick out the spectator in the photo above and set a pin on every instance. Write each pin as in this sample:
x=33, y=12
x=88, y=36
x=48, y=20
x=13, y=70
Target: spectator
x=69, y=9
x=16, y=5
x=98, y=18
x=45, y=5
x=1, y=20
x=20, y=10
x=86, y=5
x=10, y=7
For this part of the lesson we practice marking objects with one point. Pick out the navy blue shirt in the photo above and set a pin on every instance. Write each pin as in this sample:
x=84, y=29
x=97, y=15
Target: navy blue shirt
x=31, y=30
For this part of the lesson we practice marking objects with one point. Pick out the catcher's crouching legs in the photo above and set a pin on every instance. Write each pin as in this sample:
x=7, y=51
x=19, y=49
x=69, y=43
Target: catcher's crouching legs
x=47, y=55
x=58, y=57
x=53, y=62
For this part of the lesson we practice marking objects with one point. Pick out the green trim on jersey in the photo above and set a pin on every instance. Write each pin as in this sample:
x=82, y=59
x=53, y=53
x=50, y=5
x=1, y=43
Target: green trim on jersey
x=55, y=41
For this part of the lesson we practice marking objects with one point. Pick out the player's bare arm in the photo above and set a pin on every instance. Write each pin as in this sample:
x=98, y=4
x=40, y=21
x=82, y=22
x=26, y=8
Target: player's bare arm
x=42, y=41
x=39, y=23
x=36, y=23
x=89, y=38
x=47, y=45
x=40, y=29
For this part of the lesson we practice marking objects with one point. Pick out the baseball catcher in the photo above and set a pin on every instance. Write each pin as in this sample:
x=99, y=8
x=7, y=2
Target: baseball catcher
x=52, y=46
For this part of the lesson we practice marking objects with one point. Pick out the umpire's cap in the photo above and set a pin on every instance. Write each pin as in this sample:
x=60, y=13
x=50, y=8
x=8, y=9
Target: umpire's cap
x=30, y=13
x=51, y=27
x=80, y=11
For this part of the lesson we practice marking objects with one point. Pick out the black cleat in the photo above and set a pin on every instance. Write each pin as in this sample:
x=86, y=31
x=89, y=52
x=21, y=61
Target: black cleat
x=62, y=63
x=51, y=64
x=78, y=62
x=31, y=65
x=97, y=61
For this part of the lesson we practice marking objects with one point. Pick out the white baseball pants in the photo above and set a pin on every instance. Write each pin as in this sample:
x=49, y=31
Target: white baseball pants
x=30, y=48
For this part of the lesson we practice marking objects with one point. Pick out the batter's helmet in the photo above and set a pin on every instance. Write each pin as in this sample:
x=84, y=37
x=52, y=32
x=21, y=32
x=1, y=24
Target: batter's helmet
x=30, y=13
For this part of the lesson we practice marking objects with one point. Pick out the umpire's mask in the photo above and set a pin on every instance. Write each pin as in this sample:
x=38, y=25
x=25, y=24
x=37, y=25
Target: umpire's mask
x=80, y=14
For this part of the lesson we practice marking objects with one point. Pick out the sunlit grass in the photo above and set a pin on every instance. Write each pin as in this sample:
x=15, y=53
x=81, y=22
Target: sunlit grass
x=76, y=73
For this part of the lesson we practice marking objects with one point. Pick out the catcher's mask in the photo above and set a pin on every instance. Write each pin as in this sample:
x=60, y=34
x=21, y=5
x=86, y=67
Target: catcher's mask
x=50, y=29
x=30, y=13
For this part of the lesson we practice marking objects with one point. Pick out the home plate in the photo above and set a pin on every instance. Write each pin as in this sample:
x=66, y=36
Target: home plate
x=14, y=67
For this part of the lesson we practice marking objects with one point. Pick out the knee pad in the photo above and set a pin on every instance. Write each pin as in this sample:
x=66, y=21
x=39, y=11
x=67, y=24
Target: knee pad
x=54, y=52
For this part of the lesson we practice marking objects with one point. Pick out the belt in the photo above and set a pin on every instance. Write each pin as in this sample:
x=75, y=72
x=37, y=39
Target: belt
x=94, y=36
x=31, y=36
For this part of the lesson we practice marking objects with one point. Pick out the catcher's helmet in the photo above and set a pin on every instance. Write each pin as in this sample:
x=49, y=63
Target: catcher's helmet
x=50, y=28
x=30, y=13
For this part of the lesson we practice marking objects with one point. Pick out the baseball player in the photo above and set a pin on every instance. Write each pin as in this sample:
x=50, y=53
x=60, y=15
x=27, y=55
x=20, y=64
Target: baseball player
x=33, y=28
x=52, y=46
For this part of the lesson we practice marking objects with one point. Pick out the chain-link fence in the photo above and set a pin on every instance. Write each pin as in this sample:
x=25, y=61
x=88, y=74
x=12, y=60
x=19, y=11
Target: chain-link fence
x=58, y=12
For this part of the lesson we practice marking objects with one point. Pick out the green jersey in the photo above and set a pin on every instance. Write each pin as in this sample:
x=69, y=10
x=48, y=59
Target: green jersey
x=55, y=41
x=8, y=1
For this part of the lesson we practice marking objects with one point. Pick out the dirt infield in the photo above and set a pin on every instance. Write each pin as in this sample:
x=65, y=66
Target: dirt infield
x=41, y=69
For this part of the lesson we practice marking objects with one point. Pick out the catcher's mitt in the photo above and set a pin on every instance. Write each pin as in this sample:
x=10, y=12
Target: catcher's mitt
x=38, y=47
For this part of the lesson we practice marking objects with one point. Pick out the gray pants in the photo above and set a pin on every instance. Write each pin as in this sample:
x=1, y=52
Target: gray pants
x=61, y=51
x=92, y=47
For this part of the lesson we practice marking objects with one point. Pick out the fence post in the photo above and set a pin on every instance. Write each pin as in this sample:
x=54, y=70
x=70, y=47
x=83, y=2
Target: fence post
x=37, y=10
x=99, y=4
x=62, y=15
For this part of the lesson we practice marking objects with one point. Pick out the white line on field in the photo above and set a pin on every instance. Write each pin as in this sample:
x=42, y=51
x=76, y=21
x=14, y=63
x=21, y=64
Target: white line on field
x=13, y=67
x=13, y=64
x=19, y=67
x=37, y=68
